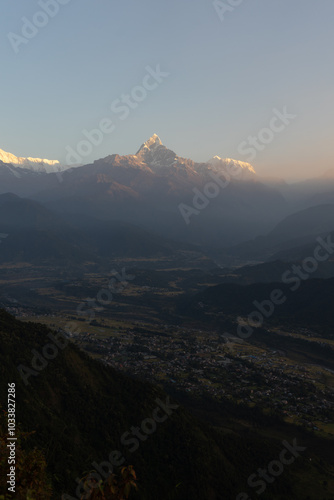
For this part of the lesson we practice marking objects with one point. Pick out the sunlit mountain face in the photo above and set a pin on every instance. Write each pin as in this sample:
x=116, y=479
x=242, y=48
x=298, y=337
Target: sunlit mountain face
x=34, y=164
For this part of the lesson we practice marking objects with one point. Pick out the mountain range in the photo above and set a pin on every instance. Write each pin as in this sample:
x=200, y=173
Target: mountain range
x=214, y=205
x=151, y=187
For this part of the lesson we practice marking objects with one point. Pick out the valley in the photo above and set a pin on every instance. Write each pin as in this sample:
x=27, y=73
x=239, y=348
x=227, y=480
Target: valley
x=141, y=332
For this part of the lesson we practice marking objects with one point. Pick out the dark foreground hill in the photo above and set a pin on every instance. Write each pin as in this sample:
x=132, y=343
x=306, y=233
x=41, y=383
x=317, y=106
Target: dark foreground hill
x=80, y=409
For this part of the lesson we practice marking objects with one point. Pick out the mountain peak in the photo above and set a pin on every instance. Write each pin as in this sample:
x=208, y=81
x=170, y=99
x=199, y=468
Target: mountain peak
x=152, y=143
x=155, y=154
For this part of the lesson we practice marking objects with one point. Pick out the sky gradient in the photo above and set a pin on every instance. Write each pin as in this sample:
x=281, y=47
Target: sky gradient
x=225, y=79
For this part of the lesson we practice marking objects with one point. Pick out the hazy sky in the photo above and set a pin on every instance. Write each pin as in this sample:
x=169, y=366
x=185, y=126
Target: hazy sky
x=226, y=76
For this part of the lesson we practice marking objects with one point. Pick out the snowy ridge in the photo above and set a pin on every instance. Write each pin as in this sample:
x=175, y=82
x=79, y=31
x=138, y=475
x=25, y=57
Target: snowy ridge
x=152, y=143
x=34, y=164
x=218, y=162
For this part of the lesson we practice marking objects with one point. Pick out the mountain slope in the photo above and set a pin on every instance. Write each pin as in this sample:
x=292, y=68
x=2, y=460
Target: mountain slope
x=311, y=221
x=152, y=187
x=294, y=233
x=80, y=409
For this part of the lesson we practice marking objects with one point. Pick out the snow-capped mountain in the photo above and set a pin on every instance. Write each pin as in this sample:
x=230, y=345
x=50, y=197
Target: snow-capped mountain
x=155, y=154
x=158, y=157
x=34, y=164
x=231, y=165
x=151, y=144
x=156, y=189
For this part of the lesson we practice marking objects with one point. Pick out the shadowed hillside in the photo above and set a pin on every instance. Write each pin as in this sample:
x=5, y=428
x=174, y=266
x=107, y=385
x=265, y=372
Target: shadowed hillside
x=80, y=409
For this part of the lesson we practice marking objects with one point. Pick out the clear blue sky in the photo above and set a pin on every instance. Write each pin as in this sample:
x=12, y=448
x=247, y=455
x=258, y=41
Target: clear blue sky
x=226, y=77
